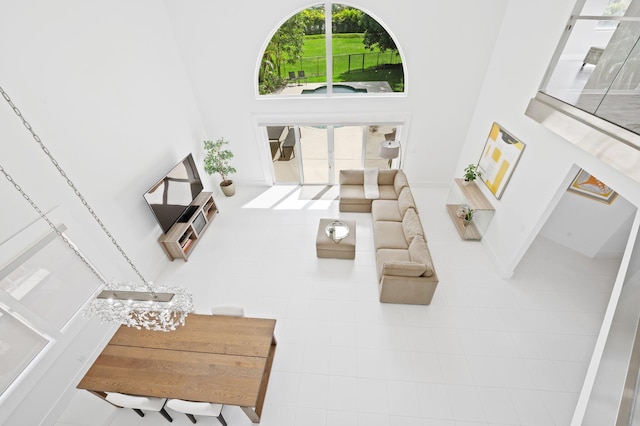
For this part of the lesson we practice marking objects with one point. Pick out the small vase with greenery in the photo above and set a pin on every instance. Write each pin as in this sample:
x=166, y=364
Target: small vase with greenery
x=217, y=161
x=471, y=173
x=466, y=214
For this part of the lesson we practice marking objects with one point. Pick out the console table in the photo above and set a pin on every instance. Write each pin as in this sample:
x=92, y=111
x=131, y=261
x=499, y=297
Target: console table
x=467, y=194
x=183, y=236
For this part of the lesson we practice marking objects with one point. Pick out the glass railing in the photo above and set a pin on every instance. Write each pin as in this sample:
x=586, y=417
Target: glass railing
x=597, y=67
x=590, y=94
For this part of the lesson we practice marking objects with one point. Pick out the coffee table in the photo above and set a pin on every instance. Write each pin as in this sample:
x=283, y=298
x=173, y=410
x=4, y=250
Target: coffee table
x=336, y=238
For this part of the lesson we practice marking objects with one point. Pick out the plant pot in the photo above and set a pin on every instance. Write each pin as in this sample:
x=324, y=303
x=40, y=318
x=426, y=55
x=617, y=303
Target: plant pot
x=228, y=188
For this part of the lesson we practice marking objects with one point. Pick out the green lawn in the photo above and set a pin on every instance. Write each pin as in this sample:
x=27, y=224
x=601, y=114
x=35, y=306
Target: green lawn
x=342, y=44
x=351, y=61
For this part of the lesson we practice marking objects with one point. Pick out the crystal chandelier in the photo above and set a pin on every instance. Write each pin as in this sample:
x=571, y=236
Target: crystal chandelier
x=161, y=309
x=148, y=306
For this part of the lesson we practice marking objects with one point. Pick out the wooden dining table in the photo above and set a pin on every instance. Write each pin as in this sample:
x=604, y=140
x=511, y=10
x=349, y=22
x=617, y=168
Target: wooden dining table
x=212, y=358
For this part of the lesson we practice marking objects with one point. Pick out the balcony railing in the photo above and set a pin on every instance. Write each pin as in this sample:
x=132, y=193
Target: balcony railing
x=591, y=92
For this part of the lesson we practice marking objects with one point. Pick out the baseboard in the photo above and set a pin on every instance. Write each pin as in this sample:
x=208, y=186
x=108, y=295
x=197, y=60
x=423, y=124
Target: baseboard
x=504, y=272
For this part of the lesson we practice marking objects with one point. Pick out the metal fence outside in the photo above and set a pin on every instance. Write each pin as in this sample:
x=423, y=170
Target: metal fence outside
x=316, y=66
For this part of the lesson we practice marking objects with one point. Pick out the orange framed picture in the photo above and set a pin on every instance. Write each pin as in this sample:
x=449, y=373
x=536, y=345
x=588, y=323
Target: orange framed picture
x=589, y=186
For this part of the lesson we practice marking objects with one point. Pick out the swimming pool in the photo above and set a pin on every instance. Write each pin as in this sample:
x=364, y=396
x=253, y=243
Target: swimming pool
x=337, y=88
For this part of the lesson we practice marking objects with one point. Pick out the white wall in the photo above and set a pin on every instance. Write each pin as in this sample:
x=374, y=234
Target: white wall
x=590, y=227
x=103, y=85
x=527, y=40
x=446, y=49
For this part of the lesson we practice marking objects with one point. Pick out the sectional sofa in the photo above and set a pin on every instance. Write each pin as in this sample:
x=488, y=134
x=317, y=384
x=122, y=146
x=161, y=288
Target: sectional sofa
x=403, y=261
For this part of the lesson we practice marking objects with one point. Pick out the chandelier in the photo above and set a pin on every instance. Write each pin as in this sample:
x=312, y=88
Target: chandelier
x=158, y=308
x=145, y=305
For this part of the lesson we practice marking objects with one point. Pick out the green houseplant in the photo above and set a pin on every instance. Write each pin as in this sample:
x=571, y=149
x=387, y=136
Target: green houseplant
x=468, y=215
x=471, y=173
x=217, y=161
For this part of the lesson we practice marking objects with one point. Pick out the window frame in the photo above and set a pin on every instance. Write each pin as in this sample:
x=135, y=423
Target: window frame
x=329, y=59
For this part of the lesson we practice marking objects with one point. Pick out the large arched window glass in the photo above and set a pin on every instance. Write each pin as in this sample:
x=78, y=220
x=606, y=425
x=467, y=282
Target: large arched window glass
x=331, y=48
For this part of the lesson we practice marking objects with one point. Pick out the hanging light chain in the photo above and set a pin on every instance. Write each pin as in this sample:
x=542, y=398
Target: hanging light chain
x=51, y=225
x=75, y=190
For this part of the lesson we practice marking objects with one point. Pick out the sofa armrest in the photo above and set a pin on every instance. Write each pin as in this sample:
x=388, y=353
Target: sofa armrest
x=403, y=268
x=407, y=290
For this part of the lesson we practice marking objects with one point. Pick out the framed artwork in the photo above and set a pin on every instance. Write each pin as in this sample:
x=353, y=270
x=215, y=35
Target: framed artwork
x=588, y=186
x=499, y=158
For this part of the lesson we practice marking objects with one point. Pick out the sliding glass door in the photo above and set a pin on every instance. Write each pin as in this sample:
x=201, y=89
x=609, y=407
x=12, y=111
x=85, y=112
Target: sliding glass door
x=315, y=154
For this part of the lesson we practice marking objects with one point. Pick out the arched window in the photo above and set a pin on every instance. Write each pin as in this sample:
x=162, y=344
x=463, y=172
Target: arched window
x=331, y=48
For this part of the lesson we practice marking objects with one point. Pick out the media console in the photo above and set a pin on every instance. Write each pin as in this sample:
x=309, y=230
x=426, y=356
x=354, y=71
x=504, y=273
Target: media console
x=180, y=240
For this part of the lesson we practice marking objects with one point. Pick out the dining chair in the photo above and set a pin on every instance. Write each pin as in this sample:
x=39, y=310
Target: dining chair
x=191, y=408
x=139, y=403
x=230, y=310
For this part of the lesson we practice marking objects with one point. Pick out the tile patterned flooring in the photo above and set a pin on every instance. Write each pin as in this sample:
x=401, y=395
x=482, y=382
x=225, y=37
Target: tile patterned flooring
x=487, y=351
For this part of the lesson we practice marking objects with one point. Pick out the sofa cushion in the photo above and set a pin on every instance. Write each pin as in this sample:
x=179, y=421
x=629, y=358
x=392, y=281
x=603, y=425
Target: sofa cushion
x=411, y=225
x=386, y=177
x=389, y=235
x=419, y=253
x=353, y=194
x=405, y=201
x=387, y=192
x=385, y=210
x=352, y=177
x=400, y=181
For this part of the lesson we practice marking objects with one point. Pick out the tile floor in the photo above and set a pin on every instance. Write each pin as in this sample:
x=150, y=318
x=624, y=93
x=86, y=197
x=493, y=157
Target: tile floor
x=487, y=351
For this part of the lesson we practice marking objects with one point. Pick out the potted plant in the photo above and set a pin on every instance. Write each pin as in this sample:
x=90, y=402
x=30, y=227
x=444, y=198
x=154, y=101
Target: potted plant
x=217, y=161
x=471, y=173
x=466, y=214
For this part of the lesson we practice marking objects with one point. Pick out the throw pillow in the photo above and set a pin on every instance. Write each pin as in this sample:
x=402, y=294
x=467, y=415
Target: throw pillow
x=406, y=201
x=411, y=225
x=403, y=268
x=419, y=252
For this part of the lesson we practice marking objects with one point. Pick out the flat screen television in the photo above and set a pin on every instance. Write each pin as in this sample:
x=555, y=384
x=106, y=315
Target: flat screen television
x=170, y=198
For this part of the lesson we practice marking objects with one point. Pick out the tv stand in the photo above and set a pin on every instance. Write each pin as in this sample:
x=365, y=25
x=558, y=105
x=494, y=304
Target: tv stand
x=188, y=214
x=183, y=236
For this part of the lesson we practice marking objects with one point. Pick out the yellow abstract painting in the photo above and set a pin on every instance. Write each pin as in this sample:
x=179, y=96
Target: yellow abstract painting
x=499, y=158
